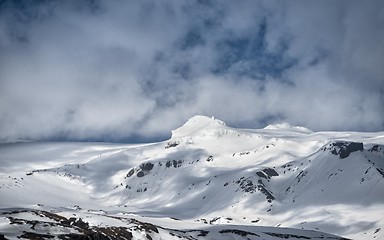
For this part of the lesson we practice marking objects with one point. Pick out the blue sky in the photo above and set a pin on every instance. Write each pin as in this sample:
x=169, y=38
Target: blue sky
x=135, y=70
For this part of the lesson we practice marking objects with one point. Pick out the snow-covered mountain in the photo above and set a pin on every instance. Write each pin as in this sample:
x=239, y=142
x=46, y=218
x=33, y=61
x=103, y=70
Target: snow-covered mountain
x=209, y=181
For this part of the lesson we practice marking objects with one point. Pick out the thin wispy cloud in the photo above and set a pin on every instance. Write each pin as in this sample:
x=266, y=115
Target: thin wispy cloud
x=132, y=71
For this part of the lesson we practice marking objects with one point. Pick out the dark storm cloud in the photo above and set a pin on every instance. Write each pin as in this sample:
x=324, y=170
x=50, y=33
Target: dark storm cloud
x=125, y=70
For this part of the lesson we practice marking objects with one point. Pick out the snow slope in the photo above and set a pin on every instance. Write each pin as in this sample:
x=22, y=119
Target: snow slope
x=209, y=181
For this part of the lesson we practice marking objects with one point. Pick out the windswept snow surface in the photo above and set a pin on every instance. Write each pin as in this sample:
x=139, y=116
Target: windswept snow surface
x=209, y=181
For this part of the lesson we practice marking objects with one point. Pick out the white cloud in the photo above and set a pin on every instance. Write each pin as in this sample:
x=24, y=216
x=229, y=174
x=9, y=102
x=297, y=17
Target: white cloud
x=120, y=69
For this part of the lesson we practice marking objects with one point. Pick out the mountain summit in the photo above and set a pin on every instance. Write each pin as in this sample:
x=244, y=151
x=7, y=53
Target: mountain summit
x=196, y=125
x=209, y=181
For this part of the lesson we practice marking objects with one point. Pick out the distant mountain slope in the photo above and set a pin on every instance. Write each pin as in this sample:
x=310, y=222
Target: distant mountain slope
x=207, y=177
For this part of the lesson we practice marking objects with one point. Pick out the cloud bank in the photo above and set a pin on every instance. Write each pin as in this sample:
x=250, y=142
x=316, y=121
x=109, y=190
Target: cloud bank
x=134, y=70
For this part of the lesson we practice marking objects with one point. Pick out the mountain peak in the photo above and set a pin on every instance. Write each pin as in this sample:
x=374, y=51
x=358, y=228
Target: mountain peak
x=196, y=124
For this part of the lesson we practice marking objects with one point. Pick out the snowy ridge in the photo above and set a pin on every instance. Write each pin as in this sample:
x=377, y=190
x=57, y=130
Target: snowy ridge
x=209, y=181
